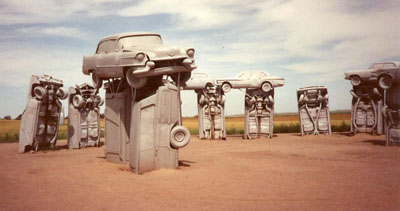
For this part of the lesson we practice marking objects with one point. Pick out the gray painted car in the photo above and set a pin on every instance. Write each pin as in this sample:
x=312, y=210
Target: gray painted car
x=366, y=76
x=251, y=79
x=136, y=56
x=41, y=117
x=199, y=80
x=387, y=76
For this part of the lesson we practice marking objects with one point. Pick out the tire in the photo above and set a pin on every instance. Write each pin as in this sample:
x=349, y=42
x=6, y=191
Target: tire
x=185, y=76
x=39, y=92
x=271, y=99
x=208, y=85
x=135, y=82
x=179, y=137
x=77, y=101
x=266, y=87
x=62, y=93
x=301, y=99
x=222, y=100
x=201, y=100
x=226, y=87
x=385, y=82
x=97, y=81
x=355, y=80
x=98, y=101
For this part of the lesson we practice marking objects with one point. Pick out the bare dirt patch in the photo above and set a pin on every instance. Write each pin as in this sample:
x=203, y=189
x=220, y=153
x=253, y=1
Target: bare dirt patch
x=287, y=172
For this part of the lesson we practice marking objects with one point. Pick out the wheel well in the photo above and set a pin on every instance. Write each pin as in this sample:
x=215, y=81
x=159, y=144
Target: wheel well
x=226, y=82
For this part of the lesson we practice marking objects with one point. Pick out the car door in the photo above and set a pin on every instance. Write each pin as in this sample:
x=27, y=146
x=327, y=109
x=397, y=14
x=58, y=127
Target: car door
x=106, y=59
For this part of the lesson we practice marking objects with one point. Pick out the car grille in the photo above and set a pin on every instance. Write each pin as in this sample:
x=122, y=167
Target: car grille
x=168, y=63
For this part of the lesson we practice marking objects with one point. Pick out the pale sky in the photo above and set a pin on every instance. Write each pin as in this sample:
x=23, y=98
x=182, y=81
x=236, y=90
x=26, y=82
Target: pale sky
x=306, y=42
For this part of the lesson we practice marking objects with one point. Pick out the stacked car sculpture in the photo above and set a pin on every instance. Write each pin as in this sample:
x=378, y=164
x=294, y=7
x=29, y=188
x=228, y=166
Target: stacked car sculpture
x=143, y=118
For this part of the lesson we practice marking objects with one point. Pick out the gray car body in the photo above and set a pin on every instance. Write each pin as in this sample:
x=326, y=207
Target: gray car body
x=115, y=62
x=367, y=75
x=199, y=80
x=252, y=82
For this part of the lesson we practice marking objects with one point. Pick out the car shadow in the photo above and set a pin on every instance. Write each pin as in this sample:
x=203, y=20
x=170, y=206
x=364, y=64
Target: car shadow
x=376, y=142
x=185, y=163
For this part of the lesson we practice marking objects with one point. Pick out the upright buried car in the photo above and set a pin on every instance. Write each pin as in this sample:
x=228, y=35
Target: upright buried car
x=135, y=56
x=41, y=117
x=251, y=79
x=365, y=76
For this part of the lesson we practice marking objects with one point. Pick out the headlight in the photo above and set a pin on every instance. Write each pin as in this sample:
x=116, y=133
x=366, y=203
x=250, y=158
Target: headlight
x=140, y=57
x=190, y=52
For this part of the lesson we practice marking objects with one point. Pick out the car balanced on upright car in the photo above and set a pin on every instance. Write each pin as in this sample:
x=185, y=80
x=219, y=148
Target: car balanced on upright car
x=137, y=56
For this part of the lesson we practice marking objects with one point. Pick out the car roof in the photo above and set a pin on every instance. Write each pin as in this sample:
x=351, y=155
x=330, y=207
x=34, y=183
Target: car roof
x=397, y=63
x=125, y=34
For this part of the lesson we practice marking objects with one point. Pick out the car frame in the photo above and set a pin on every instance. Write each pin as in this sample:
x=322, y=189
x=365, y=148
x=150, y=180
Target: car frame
x=357, y=77
x=265, y=83
x=120, y=56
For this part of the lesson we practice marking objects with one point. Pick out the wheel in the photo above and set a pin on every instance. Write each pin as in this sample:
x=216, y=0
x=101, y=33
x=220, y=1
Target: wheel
x=222, y=100
x=98, y=101
x=39, y=92
x=77, y=101
x=62, y=93
x=208, y=85
x=201, y=100
x=226, y=87
x=135, y=82
x=355, y=80
x=184, y=76
x=385, y=82
x=271, y=99
x=301, y=99
x=96, y=80
x=266, y=87
x=180, y=137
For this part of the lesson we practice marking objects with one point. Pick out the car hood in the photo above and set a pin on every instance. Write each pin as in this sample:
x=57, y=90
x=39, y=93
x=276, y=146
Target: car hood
x=159, y=52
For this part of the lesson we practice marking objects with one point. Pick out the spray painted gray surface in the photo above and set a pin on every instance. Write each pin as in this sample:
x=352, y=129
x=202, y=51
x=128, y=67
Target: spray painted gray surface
x=117, y=121
x=137, y=56
x=41, y=117
x=251, y=79
x=313, y=104
x=83, y=116
x=366, y=115
x=156, y=133
x=211, y=113
x=259, y=114
x=367, y=102
x=388, y=79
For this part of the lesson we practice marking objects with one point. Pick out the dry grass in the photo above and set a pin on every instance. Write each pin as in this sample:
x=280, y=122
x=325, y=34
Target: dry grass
x=281, y=122
x=9, y=129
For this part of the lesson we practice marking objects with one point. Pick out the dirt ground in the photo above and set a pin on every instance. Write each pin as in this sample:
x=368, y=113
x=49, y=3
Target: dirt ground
x=284, y=173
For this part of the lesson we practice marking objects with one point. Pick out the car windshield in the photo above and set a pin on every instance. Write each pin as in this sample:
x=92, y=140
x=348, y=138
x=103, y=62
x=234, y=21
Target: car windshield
x=127, y=42
x=382, y=65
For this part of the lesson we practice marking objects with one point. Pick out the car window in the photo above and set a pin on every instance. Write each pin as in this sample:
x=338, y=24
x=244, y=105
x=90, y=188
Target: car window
x=389, y=65
x=260, y=75
x=106, y=46
x=245, y=75
x=126, y=42
x=382, y=65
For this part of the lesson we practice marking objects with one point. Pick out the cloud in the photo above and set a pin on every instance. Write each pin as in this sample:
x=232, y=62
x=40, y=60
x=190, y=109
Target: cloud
x=190, y=14
x=59, y=31
x=51, y=11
